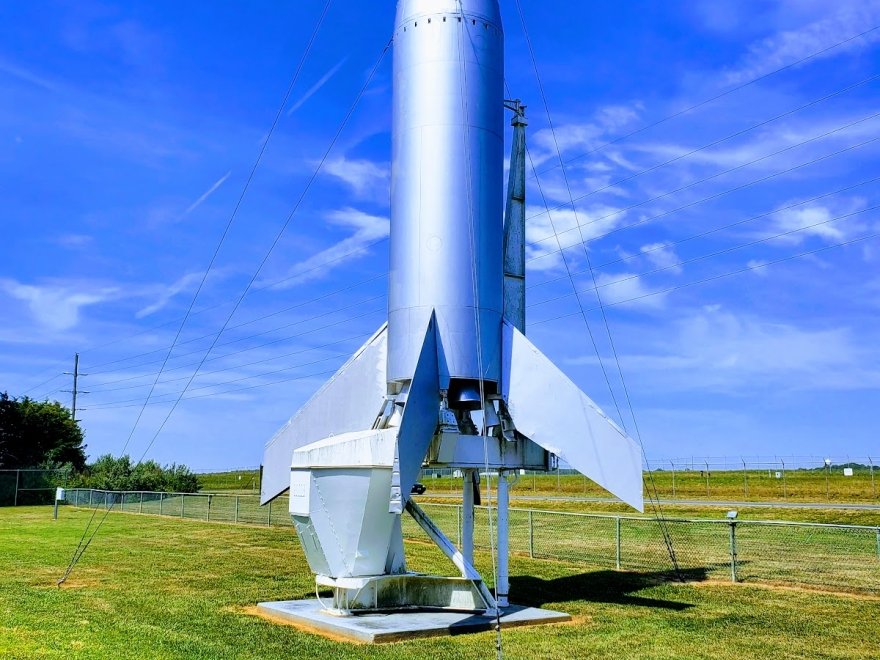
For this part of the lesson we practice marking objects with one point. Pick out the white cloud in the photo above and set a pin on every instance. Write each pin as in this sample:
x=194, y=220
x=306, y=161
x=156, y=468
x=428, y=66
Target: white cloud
x=368, y=230
x=715, y=349
x=662, y=256
x=57, y=306
x=205, y=195
x=314, y=89
x=365, y=177
x=168, y=293
x=628, y=290
x=789, y=46
x=816, y=221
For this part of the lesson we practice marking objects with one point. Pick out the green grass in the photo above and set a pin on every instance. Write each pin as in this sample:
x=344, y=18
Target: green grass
x=153, y=587
x=749, y=485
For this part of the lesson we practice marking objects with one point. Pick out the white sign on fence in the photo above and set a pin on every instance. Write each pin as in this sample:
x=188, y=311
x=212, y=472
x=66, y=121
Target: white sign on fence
x=847, y=472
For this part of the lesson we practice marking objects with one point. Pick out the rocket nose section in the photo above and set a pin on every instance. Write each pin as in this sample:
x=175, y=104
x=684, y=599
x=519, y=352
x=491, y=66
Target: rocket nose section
x=410, y=10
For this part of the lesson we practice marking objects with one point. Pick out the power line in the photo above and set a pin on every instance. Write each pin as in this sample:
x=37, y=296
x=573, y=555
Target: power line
x=669, y=244
x=548, y=209
x=82, y=548
x=715, y=98
x=734, y=169
x=717, y=253
x=654, y=500
x=728, y=137
x=713, y=278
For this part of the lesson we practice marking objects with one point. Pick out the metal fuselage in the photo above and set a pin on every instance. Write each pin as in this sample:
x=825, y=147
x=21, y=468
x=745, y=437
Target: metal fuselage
x=446, y=188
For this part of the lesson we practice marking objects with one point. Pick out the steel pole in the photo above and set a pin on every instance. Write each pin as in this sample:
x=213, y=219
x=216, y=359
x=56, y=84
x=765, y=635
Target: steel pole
x=467, y=517
x=502, y=589
x=733, y=551
x=531, y=536
x=17, y=478
x=617, y=535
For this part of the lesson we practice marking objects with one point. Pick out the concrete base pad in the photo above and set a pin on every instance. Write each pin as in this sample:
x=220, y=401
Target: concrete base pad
x=398, y=626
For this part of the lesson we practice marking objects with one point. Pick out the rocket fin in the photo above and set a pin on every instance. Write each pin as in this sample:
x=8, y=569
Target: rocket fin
x=550, y=410
x=350, y=401
x=420, y=413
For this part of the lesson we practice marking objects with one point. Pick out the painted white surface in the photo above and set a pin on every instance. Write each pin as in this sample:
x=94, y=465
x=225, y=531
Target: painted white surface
x=349, y=401
x=549, y=409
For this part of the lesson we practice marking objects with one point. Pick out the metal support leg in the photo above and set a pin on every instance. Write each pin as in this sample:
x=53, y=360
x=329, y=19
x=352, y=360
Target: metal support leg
x=502, y=589
x=467, y=517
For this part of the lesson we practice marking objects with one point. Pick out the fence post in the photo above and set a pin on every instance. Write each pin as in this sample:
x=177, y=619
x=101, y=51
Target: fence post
x=208, y=511
x=617, y=556
x=236, y=509
x=733, y=551
x=532, y=536
x=141, y=509
x=745, y=480
x=784, y=484
x=707, y=478
x=673, y=478
x=17, y=476
x=873, y=485
x=182, y=503
x=90, y=497
x=161, y=497
x=878, y=543
x=269, y=515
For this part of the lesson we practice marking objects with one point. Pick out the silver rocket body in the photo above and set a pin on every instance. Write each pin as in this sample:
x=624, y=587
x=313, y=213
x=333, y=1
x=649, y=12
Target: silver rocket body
x=447, y=187
x=450, y=381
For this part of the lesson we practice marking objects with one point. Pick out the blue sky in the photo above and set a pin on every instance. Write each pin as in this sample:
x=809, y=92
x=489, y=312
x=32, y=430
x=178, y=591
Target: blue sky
x=128, y=131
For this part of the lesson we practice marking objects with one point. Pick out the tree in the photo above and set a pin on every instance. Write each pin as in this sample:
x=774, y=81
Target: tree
x=111, y=473
x=35, y=433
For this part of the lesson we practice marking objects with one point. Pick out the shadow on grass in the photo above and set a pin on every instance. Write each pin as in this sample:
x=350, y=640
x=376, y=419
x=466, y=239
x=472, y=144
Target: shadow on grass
x=600, y=587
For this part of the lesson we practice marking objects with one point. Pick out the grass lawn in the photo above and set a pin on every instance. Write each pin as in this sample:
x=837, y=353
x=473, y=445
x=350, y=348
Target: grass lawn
x=737, y=485
x=154, y=587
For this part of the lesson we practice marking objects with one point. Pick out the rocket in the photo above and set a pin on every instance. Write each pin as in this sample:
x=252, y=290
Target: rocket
x=450, y=381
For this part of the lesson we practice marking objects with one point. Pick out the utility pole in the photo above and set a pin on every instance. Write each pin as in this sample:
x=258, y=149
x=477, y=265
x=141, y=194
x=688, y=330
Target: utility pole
x=76, y=374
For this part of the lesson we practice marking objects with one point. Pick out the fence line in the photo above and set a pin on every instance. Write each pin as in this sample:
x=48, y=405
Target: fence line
x=823, y=555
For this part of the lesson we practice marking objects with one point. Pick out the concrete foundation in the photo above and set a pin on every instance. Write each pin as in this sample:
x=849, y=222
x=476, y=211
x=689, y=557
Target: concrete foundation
x=398, y=626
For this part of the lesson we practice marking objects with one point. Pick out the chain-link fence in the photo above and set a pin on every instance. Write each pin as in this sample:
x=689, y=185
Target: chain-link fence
x=27, y=487
x=804, y=478
x=836, y=556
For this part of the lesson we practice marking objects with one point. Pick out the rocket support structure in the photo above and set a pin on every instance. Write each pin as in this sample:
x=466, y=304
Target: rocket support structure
x=450, y=380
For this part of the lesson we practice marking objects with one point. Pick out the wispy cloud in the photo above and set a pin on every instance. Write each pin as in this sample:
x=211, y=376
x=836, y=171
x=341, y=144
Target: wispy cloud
x=365, y=177
x=790, y=46
x=323, y=80
x=24, y=75
x=817, y=221
x=368, y=229
x=74, y=241
x=662, y=256
x=57, y=306
x=716, y=349
x=205, y=195
x=167, y=294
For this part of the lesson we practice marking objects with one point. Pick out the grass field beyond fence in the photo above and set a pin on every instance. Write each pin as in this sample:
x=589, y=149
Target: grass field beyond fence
x=156, y=587
x=797, y=553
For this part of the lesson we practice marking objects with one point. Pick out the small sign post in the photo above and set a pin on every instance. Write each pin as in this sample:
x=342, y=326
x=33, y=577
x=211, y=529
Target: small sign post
x=59, y=497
